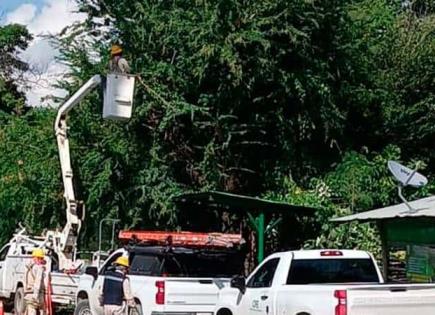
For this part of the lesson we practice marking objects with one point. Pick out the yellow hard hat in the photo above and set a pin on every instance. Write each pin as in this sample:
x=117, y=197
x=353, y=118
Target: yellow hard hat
x=122, y=261
x=116, y=49
x=38, y=252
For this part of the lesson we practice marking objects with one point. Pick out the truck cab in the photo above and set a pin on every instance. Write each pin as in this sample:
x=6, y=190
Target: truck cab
x=322, y=282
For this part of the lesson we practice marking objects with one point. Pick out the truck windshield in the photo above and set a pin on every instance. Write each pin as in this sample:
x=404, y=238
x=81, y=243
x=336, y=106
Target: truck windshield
x=318, y=271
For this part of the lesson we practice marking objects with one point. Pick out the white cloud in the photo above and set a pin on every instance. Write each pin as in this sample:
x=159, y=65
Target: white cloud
x=50, y=19
x=54, y=16
x=22, y=15
x=40, y=54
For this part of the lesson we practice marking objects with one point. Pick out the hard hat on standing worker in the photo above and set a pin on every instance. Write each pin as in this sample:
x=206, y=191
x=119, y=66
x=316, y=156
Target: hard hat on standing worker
x=115, y=50
x=38, y=253
x=122, y=261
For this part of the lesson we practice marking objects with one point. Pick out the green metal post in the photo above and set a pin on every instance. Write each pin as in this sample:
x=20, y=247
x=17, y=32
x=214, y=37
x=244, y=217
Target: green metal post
x=260, y=237
x=259, y=226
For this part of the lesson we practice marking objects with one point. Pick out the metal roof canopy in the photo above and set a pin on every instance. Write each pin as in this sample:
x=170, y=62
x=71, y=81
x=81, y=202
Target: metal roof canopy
x=398, y=224
x=424, y=207
x=255, y=208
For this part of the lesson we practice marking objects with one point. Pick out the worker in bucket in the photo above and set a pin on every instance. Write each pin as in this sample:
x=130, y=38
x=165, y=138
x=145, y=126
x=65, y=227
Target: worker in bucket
x=35, y=283
x=116, y=288
x=117, y=63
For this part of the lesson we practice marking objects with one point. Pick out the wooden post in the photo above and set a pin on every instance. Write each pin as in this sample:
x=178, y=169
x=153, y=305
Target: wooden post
x=384, y=248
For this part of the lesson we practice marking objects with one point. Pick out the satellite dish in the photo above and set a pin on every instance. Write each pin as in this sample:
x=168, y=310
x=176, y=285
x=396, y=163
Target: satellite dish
x=406, y=177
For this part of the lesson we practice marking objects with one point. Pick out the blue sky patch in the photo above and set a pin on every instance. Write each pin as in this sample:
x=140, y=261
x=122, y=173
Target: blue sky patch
x=7, y=6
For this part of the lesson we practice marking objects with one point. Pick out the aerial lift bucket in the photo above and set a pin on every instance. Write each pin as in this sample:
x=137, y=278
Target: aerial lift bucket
x=118, y=96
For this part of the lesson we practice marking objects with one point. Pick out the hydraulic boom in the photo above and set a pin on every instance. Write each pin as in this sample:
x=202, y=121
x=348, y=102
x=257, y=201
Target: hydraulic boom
x=64, y=242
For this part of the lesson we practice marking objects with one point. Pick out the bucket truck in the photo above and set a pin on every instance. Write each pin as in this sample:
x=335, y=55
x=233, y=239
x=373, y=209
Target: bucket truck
x=61, y=244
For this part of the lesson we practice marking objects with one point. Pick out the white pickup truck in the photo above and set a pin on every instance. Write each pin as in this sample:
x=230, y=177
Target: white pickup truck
x=14, y=257
x=165, y=280
x=322, y=282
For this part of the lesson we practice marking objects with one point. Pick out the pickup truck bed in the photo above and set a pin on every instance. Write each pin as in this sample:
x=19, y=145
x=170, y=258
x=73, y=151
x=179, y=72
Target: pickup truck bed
x=391, y=300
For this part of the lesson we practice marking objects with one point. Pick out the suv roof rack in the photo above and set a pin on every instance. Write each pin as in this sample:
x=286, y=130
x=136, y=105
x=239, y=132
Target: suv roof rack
x=182, y=239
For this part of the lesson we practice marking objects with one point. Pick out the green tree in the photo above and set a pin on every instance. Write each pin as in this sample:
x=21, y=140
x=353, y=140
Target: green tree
x=13, y=39
x=246, y=86
x=293, y=100
x=389, y=94
x=240, y=94
x=30, y=190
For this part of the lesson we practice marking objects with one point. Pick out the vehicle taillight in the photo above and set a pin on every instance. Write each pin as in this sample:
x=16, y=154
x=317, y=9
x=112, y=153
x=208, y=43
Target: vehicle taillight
x=331, y=253
x=341, y=308
x=160, y=295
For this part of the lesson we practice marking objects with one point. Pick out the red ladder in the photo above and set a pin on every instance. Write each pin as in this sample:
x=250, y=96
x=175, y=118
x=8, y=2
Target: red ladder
x=188, y=239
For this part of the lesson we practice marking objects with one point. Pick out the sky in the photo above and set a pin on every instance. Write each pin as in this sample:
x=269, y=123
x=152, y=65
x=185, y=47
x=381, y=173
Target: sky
x=41, y=17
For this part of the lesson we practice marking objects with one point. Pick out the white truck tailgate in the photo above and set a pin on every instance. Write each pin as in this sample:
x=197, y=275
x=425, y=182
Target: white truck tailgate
x=392, y=300
x=64, y=287
x=191, y=291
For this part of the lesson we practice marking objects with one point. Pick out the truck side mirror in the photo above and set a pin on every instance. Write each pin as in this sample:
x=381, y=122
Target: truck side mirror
x=239, y=282
x=92, y=271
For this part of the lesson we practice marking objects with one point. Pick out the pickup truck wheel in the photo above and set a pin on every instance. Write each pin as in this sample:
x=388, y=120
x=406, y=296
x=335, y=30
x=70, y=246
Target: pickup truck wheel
x=224, y=311
x=19, y=304
x=83, y=308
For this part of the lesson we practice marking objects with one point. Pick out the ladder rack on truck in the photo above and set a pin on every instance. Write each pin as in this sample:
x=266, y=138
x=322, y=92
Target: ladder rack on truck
x=185, y=239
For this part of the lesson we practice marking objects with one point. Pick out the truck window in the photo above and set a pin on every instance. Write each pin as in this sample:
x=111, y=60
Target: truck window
x=186, y=263
x=264, y=276
x=317, y=271
x=145, y=265
x=172, y=268
x=109, y=264
x=4, y=253
x=153, y=265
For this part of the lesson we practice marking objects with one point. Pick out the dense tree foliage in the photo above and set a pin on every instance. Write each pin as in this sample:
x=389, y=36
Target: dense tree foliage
x=299, y=101
x=30, y=191
x=13, y=39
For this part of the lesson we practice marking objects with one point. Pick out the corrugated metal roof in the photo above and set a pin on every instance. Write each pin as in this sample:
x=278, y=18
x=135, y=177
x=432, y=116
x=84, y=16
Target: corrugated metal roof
x=424, y=207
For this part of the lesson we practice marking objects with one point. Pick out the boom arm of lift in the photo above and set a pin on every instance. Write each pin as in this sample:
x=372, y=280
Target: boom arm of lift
x=64, y=242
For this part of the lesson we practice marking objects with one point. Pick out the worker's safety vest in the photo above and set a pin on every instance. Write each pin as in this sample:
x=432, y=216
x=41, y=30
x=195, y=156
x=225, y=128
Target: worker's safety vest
x=113, y=290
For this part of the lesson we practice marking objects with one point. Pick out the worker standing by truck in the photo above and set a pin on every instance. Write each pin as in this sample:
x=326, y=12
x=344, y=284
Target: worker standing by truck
x=116, y=288
x=35, y=283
